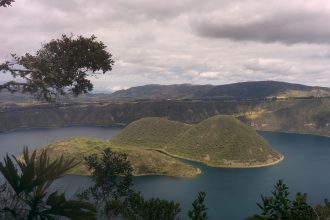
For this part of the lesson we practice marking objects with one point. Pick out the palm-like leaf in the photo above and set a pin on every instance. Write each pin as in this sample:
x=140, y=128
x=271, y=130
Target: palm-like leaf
x=10, y=173
x=71, y=209
x=36, y=171
x=31, y=182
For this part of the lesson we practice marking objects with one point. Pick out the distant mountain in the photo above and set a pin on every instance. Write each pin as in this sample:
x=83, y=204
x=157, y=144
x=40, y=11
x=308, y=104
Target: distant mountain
x=243, y=90
x=264, y=89
x=154, y=91
x=17, y=97
x=6, y=96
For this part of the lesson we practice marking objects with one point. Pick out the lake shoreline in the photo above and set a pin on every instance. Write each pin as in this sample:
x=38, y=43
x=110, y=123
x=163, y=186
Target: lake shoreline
x=303, y=162
x=121, y=125
x=221, y=166
x=299, y=133
x=199, y=171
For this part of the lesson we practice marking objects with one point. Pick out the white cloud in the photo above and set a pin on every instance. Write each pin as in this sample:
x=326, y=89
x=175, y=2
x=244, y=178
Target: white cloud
x=209, y=74
x=164, y=42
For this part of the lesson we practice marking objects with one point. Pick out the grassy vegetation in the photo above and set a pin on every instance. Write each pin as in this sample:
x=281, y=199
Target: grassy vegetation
x=300, y=116
x=144, y=162
x=150, y=132
x=242, y=90
x=316, y=92
x=221, y=141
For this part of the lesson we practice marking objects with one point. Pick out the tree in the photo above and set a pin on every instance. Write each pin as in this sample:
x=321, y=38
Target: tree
x=60, y=67
x=323, y=212
x=112, y=177
x=139, y=208
x=113, y=194
x=26, y=189
x=199, y=209
x=280, y=207
x=6, y=3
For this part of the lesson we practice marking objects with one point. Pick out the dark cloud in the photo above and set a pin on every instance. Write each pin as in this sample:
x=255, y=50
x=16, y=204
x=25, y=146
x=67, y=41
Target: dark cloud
x=152, y=41
x=288, y=28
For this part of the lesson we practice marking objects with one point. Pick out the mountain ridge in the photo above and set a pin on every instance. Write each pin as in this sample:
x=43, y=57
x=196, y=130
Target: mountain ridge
x=237, y=91
x=240, y=90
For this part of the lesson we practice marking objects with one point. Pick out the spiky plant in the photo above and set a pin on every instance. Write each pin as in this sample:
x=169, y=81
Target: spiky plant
x=29, y=178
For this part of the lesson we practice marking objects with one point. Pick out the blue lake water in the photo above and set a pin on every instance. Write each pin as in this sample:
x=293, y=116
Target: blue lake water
x=231, y=193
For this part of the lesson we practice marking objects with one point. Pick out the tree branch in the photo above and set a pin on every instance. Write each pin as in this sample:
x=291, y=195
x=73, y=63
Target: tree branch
x=22, y=71
x=10, y=84
x=6, y=3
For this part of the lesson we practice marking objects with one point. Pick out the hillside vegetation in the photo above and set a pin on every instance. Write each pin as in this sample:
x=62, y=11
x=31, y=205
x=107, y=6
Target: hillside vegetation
x=221, y=141
x=153, y=132
x=238, y=91
x=303, y=116
x=300, y=115
x=241, y=90
x=144, y=162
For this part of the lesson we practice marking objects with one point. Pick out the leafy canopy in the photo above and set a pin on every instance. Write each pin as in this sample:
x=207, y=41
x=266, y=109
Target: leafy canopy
x=278, y=206
x=60, y=67
x=199, y=209
x=112, y=177
x=26, y=190
x=139, y=208
x=113, y=194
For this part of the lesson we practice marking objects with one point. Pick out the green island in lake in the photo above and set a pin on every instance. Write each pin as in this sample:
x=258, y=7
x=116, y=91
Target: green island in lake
x=155, y=146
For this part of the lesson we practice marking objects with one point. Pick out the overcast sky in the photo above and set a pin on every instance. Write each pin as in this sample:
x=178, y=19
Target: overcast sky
x=184, y=41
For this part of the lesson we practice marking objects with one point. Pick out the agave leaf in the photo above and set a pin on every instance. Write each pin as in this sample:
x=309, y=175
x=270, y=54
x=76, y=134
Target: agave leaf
x=10, y=173
x=72, y=209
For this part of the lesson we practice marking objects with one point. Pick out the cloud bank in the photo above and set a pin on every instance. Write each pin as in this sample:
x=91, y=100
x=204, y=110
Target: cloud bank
x=184, y=41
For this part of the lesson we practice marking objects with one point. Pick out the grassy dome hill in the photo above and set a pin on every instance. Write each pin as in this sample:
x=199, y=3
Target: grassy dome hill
x=144, y=162
x=224, y=141
x=151, y=132
x=221, y=141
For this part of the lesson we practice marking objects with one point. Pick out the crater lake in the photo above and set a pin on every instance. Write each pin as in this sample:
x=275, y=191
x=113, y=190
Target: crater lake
x=232, y=194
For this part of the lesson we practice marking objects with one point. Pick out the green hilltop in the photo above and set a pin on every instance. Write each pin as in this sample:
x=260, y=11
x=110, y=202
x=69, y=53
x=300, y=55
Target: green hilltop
x=150, y=132
x=221, y=141
x=154, y=146
x=144, y=162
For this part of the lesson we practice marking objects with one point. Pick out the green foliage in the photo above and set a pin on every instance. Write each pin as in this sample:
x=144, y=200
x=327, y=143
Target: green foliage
x=59, y=67
x=323, y=212
x=225, y=141
x=139, y=208
x=300, y=209
x=278, y=206
x=198, y=211
x=112, y=193
x=28, y=196
x=220, y=140
x=143, y=161
x=300, y=116
x=112, y=177
x=150, y=132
